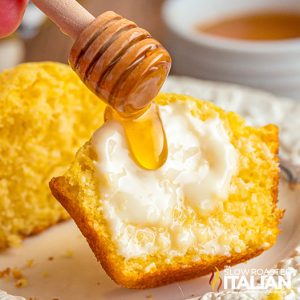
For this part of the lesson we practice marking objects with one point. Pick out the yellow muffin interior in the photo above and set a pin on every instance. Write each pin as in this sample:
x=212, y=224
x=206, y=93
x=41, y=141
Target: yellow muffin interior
x=46, y=113
x=250, y=207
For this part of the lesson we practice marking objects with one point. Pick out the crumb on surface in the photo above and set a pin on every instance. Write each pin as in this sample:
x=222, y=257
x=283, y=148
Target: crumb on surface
x=22, y=282
x=50, y=258
x=17, y=274
x=149, y=297
x=68, y=254
x=5, y=272
x=29, y=263
x=45, y=274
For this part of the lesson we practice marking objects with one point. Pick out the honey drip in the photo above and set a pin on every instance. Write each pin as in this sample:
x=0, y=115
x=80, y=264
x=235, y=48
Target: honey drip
x=145, y=135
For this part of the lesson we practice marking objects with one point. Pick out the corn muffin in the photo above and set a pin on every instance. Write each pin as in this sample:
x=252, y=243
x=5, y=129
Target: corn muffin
x=212, y=204
x=46, y=113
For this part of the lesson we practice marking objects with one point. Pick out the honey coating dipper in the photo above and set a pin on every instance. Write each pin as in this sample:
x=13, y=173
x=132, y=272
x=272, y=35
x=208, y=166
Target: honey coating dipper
x=116, y=59
x=125, y=67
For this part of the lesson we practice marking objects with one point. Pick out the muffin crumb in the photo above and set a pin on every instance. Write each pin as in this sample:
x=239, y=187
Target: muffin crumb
x=5, y=272
x=68, y=254
x=45, y=274
x=20, y=283
x=17, y=274
x=29, y=263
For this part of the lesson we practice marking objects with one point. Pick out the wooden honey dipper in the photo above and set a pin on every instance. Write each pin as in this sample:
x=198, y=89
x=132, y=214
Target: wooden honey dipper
x=117, y=60
x=124, y=66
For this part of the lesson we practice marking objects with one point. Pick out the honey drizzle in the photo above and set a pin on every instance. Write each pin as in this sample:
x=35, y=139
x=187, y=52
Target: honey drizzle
x=145, y=135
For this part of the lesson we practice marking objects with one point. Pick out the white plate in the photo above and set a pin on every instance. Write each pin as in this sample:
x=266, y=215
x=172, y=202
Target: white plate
x=79, y=276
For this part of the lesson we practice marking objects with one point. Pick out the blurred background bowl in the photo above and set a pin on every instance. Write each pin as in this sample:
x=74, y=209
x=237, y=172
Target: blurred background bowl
x=273, y=66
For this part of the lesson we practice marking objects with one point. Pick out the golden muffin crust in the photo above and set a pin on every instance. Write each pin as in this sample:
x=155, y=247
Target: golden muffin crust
x=46, y=113
x=250, y=206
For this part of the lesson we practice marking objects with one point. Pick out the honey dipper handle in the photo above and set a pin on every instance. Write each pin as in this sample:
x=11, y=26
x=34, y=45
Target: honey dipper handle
x=69, y=15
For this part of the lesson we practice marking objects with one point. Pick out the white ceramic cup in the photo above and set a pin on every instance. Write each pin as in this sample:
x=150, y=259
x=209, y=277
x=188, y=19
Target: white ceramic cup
x=270, y=65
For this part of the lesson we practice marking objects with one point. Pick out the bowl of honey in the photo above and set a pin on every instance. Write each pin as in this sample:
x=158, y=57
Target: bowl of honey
x=254, y=43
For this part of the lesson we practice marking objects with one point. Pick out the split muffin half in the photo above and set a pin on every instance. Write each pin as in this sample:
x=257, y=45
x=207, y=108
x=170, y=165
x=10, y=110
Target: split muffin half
x=212, y=204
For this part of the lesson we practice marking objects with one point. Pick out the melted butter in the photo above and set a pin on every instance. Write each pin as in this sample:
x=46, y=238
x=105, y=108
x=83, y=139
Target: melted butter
x=141, y=206
x=145, y=135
